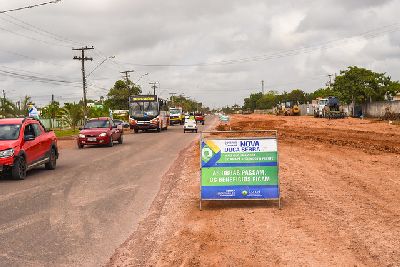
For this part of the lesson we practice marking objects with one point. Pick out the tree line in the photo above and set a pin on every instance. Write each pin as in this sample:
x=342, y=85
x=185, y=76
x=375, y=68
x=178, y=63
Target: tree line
x=353, y=85
x=72, y=114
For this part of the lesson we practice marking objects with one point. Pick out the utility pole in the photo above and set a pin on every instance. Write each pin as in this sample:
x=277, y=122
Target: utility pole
x=4, y=103
x=82, y=58
x=52, y=111
x=172, y=98
x=154, y=86
x=126, y=72
x=262, y=86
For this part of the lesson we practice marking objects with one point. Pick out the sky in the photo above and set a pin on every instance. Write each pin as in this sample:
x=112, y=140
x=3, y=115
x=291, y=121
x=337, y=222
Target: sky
x=216, y=52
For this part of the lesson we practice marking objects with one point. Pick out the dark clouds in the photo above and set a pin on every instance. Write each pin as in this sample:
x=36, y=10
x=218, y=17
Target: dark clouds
x=190, y=32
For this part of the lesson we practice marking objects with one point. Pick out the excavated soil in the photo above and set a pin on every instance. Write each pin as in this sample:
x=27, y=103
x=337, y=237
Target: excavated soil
x=340, y=184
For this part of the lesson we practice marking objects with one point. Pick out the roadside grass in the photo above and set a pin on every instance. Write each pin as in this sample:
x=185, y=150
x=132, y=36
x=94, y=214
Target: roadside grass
x=66, y=132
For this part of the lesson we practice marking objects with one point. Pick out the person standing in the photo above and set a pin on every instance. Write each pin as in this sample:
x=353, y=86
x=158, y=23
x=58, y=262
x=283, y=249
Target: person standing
x=33, y=112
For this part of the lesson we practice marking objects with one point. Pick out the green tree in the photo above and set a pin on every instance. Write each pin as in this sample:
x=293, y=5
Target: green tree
x=98, y=111
x=297, y=95
x=360, y=85
x=52, y=111
x=8, y=109
x=251, y=102
x=324, y=92
x=72, y=114
x=118, y=96
x=267, y=101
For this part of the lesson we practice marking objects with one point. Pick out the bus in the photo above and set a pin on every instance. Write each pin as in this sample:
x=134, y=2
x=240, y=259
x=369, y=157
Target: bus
x=148, y=112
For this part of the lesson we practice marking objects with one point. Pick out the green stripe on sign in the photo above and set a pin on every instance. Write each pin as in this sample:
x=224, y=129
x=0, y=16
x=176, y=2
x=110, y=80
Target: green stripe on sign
x=248, y=157
x=239, y=176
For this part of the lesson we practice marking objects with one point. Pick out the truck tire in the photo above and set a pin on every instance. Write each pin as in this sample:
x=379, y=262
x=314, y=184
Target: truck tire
x=51, y=165
x=120, y=139
x=135, y=130
x=202, y=123
x=80, y=146
x=18, y=171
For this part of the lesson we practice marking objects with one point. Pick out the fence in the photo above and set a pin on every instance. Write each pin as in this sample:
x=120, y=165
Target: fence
x=56, y=123
x=378, y=109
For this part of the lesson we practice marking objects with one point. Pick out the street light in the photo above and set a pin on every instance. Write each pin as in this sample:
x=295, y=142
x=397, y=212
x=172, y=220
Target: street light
x=101, y=63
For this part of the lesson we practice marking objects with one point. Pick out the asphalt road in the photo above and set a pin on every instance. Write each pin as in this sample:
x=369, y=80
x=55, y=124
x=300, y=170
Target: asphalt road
x=79, y=213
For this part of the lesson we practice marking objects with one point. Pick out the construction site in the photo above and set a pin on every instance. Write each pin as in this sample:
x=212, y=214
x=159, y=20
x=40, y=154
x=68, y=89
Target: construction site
x=340, y=205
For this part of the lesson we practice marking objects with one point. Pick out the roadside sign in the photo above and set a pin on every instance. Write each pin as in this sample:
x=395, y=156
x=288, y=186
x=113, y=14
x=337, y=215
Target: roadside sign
x=240, y=168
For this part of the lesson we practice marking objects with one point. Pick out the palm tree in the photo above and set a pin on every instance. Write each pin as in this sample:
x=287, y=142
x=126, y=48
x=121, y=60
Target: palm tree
x=72, y=114
x=52, y=111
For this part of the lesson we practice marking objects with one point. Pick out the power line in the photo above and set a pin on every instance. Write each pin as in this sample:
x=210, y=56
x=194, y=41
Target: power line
x=31, y=58
x=40, y=30
x=27, y=72
x=33, y=38
x=287, y=53
x=28, y=7
x=33, y=78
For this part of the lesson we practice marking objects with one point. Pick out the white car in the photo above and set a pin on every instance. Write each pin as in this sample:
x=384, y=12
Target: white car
x=190, y=124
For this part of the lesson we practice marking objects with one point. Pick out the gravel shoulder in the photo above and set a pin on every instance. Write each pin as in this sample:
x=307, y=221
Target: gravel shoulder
x=339, y=183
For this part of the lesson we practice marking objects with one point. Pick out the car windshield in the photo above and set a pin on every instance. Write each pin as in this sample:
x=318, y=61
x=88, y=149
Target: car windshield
x=9, y=131
x=323, y=102
x=140, y=109
x=97, y=124
x=174, y=111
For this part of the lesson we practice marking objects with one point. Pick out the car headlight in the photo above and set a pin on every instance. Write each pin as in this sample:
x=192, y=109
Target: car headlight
x=7, y=153
x=103, y=134
x=81, y=136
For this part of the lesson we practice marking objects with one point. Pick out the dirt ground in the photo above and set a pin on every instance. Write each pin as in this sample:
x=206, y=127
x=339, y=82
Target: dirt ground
x=340, y=184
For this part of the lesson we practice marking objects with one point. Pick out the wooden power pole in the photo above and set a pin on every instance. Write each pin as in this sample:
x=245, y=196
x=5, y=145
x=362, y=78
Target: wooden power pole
x=82, y=58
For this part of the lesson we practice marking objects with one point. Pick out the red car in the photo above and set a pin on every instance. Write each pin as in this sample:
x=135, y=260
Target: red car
x=25, y=144
x=199, y=117
x=100, y=131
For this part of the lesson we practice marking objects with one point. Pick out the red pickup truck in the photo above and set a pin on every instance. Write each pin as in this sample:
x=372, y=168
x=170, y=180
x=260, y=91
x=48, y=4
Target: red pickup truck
x=25, y=144
x=100, y=131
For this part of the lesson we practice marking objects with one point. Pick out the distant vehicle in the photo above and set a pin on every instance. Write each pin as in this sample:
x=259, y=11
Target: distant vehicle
x=100, y=131
x=25, y=144
x=199, y=116
x=288, y=108
x=329, y=108
x=148, y=112
x=176, y=116
x=121, y=122
x=190, y=124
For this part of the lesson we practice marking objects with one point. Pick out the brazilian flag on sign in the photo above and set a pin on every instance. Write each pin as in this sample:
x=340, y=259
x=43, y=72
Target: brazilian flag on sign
x=210, y=154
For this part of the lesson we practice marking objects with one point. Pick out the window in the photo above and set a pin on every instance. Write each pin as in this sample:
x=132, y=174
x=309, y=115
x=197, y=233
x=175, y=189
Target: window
x=29, y=130
x=97, y=124
x=9, y=131
x=38, y=130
